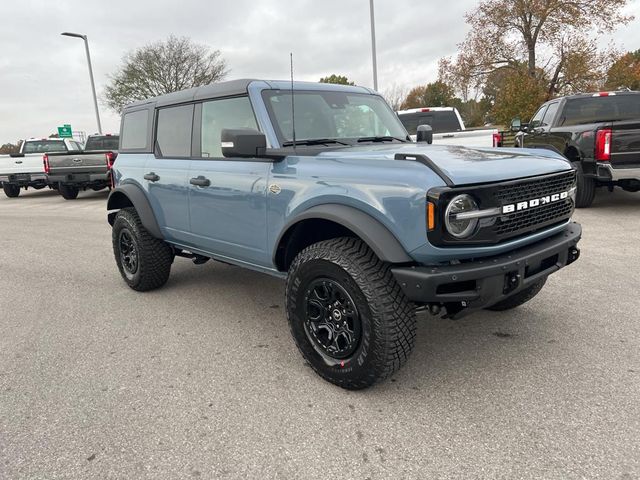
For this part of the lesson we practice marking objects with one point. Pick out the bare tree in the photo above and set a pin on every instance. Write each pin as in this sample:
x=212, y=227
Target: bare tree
x=395, y=96
x=163, y=67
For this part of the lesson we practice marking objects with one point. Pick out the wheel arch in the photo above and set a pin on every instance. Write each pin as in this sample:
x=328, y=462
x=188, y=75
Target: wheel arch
x=126, y=196
x=326, y=221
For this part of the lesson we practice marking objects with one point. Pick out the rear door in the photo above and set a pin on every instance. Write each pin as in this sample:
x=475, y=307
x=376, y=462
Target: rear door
x=227, y=196
x=166, y=171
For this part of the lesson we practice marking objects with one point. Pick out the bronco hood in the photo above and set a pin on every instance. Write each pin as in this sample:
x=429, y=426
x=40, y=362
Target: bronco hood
x=465, y=165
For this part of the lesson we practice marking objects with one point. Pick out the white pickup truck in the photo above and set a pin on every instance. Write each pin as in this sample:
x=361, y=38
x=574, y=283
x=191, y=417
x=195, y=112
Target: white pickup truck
x=448, y=127
x=26, y=169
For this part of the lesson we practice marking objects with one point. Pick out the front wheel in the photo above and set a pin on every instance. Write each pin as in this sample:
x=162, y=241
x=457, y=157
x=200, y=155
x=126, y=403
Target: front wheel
x=143, y=260
x=11, y=190
x=519, y=298
x=347, y=314
x=68, y=192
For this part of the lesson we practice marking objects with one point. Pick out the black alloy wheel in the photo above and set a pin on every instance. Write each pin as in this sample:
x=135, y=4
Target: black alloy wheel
x=128, y=253
x=332, y=322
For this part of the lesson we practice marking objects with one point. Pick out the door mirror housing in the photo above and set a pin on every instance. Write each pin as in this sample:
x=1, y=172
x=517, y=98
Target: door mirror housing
x=424, y=134
x=242, y=142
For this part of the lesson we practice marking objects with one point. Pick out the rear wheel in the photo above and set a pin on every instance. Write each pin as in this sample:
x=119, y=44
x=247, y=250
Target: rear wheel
x=143, y=260
x=347, y=314
x=68, y=192
x=519, y=298
x=11, y=190
x=586, y=190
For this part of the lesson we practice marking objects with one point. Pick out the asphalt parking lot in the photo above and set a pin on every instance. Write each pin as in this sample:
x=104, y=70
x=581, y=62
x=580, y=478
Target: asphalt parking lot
x=201, y=378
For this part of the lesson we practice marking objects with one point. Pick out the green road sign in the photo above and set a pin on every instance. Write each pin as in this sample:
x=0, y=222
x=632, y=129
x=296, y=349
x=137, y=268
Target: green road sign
x=65, y=131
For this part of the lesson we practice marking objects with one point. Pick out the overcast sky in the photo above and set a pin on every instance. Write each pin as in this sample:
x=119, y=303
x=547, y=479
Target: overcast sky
x=44, y=81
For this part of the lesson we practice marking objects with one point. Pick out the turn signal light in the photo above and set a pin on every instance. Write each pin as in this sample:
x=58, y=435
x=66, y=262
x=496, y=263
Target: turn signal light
x=431, y=216
x=45, y=163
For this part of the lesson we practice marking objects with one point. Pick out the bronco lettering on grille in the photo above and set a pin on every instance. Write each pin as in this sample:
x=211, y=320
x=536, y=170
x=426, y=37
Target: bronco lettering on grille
x=536, y=202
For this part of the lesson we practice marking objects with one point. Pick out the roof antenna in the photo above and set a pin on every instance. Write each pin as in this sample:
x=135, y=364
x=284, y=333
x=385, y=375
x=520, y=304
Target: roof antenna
x=293, y=108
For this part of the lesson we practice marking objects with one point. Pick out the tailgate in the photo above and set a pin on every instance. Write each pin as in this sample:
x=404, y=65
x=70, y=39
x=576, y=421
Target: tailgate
x=467, y=138
x=31, y=163
x=625, y=145
x=77, y=163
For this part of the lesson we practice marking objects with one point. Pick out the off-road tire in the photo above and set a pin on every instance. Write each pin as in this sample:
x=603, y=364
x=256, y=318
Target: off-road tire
x=154, y=256
x=387, y=317
x=10, y=190
x=586, y=190
x=519, y=298
x=68, y=192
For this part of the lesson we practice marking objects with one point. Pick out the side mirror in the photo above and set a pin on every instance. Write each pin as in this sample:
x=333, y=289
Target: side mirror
x=424, y=134
x=242, y=142
x=516, y=124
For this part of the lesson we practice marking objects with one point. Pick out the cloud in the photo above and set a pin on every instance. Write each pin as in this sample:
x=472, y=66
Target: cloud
x=44, y=81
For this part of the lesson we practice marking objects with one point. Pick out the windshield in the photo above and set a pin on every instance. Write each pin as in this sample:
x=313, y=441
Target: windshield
x=340, y=116
x=108, y=142
x=44, y=146
x=600, y=109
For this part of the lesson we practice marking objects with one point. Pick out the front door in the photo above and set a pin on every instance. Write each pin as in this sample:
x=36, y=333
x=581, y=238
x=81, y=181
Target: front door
x=227, y=196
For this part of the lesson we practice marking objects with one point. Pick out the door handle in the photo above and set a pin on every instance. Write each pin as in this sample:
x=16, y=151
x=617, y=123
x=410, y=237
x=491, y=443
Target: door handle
x=151, y=176
x=200, y=181
x=18, y=161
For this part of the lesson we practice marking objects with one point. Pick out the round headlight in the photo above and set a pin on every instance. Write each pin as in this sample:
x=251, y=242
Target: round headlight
x=458, y=227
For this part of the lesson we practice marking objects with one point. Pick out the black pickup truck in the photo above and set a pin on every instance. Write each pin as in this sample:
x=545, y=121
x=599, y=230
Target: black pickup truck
x=598, y=132
x=70, y=172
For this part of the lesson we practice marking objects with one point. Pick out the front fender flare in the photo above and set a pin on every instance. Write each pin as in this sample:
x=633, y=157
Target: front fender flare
x=130, y=195
x=378, y=237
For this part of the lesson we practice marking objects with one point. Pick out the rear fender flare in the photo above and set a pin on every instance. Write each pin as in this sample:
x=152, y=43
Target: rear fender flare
x=131, y=195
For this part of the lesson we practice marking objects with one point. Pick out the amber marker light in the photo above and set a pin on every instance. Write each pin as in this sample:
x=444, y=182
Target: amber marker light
x=431, y=216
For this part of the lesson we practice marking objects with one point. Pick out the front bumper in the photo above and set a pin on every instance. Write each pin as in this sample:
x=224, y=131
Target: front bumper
x=480, y=283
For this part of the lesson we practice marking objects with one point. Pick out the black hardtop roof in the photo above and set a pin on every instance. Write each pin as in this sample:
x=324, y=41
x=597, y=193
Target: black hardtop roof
x=228, y=89
x=220, y=89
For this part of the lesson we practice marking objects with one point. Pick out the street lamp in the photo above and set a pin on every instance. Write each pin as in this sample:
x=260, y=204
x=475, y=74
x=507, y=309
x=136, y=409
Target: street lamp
x=93, y=86
x=373, y=47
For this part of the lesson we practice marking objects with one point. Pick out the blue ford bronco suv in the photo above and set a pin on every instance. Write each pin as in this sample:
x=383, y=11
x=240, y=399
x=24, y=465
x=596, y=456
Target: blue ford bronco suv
x=366, y=226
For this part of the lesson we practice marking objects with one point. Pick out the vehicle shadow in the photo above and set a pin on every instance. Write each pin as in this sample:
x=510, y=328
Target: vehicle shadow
x=619, y=199
x=445, y=351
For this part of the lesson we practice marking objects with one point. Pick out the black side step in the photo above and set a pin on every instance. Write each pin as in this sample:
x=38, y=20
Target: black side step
x=422, y=158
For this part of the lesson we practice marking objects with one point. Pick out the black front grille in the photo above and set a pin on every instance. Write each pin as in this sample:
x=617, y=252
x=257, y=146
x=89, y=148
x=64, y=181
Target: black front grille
x=536, y=188
x=533, y=218
x=530, y=220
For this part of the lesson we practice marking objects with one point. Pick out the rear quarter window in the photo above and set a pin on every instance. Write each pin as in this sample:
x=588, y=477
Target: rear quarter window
x=135, y=130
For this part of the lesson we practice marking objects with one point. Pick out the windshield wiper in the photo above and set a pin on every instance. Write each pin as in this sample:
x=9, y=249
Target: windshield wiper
x=315, y=141
x=381, y=139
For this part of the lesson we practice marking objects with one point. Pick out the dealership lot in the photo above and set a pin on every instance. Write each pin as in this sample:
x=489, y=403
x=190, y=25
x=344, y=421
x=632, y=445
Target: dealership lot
x=202, y=379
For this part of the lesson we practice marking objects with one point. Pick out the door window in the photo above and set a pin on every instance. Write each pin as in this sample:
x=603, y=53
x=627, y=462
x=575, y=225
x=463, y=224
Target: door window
x=550, y=114
x=173, y=135
x=537, y=118
x=134, y=130
x=220, y=114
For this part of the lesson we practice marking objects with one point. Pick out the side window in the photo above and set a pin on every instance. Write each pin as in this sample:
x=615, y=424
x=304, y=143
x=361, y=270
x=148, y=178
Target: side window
x=550, y=114
x=135, y=126
x=220, y=114
x=173, y=134
x=537, y=118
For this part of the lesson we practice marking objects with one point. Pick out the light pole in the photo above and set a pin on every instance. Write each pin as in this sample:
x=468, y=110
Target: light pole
x=373, y=47
x=93, y=86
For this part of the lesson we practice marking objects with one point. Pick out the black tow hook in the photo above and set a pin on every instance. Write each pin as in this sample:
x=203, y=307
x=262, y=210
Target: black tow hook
x=511, y=282
x=573, y=255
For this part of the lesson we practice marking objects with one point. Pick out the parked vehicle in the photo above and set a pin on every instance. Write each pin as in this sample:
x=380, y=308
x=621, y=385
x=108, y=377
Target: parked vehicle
x=70, y=172
x=364, y=225
x=598, y=132
x=448, y=127
x=24, y=169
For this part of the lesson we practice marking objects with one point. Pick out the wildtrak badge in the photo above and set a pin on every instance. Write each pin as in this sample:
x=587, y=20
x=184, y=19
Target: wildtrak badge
x=536, y=202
